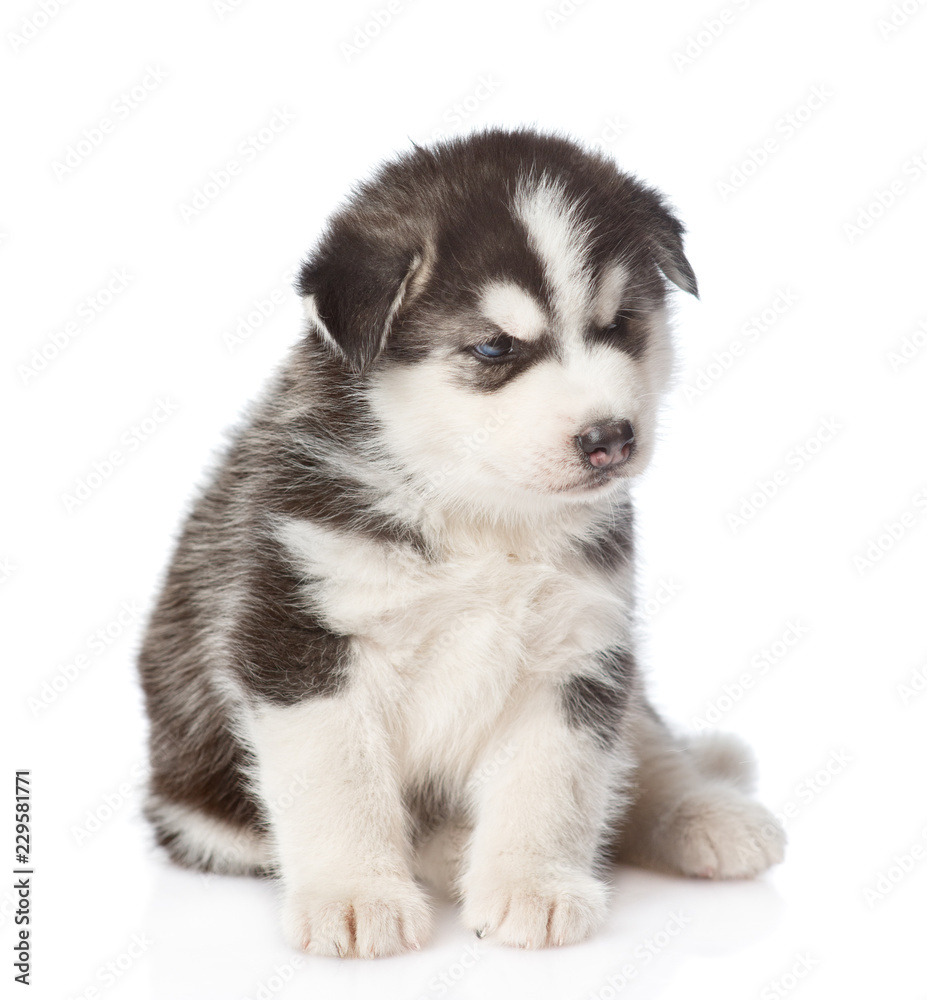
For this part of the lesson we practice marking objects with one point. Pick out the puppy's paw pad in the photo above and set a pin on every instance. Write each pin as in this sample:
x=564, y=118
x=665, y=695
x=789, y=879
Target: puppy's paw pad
x=536, y=914
x=716, y=834
x=367, y=923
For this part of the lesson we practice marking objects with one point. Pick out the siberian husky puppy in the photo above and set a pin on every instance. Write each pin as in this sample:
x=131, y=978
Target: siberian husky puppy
x=396, y=640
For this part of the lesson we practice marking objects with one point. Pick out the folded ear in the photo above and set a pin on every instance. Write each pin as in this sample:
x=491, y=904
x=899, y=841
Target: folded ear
x=355, y=283
x=677, y=268
x=666, y=232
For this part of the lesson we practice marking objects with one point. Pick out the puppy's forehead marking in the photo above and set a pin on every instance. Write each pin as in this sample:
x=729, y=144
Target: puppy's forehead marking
x=513, y=310
x=560, y=238
x=612, y=284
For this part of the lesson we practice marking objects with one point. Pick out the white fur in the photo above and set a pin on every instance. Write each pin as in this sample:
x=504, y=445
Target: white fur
x=205, y=842
x=465, y=638
x=341, y=845
x=559, y=238
x=459, y=666
x=526, y=878
x=609, y=293
x=514, y=310
x=316, y=323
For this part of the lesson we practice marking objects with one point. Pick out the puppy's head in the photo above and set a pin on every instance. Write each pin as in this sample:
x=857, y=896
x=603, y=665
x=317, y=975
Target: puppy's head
x=501, y=298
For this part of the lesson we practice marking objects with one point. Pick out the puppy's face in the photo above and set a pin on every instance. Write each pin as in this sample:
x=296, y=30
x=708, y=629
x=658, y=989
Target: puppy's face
x=523, y=353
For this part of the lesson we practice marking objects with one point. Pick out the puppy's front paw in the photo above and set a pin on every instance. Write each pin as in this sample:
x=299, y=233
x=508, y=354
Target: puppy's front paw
x=719, y=833
x=376, y=919
x=536, y=913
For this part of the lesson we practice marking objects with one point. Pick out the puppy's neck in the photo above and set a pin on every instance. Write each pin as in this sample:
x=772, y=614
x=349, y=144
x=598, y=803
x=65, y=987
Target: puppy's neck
x=530, y=532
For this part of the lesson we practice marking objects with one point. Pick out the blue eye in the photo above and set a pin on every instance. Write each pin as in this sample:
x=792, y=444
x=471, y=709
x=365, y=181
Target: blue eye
x=618, y=326
x=494, y=349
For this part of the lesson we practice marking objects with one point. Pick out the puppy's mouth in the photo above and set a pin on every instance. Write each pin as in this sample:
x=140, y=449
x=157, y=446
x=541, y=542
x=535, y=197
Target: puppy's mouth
x=598, y=479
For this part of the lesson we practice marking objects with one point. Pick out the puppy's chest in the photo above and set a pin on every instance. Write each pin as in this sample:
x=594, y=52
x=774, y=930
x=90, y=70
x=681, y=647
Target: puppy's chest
x=478, y=603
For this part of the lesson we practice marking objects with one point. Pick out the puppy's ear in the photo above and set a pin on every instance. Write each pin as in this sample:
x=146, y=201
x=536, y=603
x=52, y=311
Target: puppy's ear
x=677, y=268
x=666, y=232
x=357, y=282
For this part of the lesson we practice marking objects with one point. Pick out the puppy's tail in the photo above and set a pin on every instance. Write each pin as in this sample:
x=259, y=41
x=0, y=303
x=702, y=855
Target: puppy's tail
x=725, y=758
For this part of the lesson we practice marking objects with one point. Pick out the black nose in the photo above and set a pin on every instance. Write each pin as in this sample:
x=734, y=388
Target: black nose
x=607, y=445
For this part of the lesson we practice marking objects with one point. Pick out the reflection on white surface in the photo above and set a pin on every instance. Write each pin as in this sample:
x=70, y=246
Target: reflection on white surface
x=218, y=937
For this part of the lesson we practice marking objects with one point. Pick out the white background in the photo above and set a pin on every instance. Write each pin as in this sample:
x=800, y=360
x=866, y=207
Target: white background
x=686, y=97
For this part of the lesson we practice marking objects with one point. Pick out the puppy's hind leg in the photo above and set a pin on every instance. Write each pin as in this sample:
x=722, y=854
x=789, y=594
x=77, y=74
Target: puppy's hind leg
x=691, y=813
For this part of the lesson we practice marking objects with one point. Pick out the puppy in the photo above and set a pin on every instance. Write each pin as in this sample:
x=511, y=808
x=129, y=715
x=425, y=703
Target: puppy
x=396, y=640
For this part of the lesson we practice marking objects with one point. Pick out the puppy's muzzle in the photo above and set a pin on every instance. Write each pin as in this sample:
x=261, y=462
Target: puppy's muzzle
x=607, y=445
